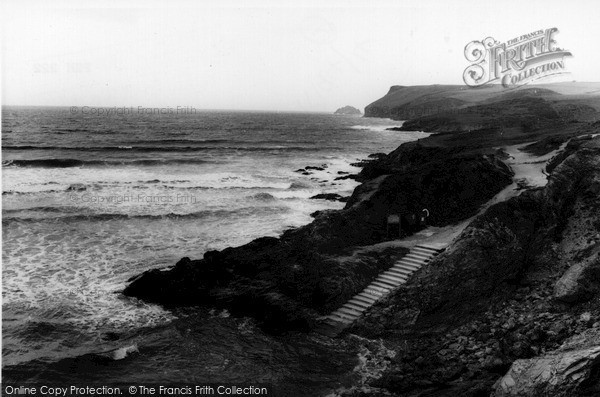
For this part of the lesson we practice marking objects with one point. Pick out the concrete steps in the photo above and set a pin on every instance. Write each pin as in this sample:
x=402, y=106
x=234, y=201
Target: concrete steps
x=386, y=282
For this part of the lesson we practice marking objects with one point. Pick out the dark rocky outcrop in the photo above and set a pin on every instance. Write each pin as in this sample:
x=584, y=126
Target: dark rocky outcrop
x=301, y=272
x=436, y=185
x=490, y=298
x=330, y=197
x=350, y=176
x=281, y=282
x=523, y=113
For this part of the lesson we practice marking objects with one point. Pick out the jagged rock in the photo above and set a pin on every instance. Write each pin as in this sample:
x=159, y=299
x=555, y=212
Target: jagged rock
x=76, y=187
x=341, y=178
x=578, y=177
x=581, y=281
x=560, y=373
x=330, y=197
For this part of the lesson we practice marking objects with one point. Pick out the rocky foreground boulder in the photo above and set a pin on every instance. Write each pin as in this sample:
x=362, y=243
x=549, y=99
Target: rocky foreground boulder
x=581, y=281
x=564, y=372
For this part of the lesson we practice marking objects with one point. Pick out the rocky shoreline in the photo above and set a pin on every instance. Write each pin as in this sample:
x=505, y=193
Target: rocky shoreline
x=520, y=283
x=510, y=308
x=287, y=282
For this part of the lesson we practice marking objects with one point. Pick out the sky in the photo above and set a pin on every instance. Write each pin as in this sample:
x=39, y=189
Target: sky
x=263, y=55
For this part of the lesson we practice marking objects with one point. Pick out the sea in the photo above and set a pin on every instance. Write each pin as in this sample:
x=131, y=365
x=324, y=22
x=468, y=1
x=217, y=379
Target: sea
x=90, y=200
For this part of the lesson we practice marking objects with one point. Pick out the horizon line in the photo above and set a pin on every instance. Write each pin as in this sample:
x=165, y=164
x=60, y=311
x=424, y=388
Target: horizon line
x=175, y=107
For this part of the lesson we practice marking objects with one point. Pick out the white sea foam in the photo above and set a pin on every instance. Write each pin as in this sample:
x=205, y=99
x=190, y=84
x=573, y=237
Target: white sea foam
x=378, y=128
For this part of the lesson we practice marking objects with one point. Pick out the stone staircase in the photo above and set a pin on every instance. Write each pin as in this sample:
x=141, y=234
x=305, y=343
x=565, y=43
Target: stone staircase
x=387, y=281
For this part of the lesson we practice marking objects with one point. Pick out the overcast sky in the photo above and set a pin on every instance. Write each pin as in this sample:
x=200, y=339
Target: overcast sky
x=257, y=55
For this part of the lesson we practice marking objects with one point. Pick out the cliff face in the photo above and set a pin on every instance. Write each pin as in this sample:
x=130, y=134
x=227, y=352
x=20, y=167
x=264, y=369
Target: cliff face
x=404, y=103
x=492, y=297
x=443, y=108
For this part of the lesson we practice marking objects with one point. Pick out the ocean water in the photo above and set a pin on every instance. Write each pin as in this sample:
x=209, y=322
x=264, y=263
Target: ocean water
x=90, y=201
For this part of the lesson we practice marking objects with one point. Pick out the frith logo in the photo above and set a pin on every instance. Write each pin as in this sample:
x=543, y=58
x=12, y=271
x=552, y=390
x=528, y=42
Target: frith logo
x=519, y=61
